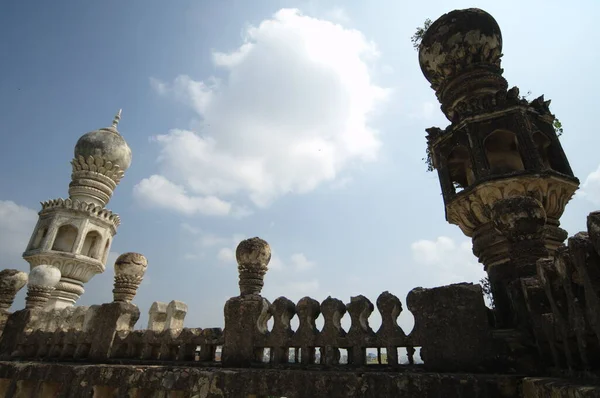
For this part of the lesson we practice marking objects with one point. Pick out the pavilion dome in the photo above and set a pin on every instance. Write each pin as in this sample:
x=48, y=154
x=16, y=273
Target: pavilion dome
x=107, y=143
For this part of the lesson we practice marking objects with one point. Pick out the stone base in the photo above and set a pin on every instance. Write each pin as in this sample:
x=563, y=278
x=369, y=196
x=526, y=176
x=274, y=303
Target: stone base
x=65, y=295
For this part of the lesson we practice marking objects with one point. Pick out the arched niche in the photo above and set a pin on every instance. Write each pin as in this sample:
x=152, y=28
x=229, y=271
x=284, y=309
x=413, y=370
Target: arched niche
x=502, y=151
x=65, y=238
x=39, y=237
x=542, y=143
x=550, y=153
x=91, y=245
x=460, y=167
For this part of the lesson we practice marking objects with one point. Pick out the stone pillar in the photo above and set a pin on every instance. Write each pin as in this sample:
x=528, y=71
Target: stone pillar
x=176, y=311
x=452, y=325
x=107, y=320
x=42, y=281
x=120, y=315
x=246, y=315
x=129, y=272
x=11, y=281
x=521, y=220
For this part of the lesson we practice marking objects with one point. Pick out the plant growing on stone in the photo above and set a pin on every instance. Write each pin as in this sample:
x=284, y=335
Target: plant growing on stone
x=487, y=291
x=418, y=36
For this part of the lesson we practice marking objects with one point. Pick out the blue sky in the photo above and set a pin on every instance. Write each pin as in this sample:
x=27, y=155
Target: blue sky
x=224, y=104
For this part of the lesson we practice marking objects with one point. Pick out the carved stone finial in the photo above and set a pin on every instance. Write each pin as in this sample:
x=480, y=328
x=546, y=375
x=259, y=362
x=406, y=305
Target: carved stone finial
x=11, y=281
x=117, y=118
x=253, y=256
x=129, y=272
x=519, y=218
x=42, y=281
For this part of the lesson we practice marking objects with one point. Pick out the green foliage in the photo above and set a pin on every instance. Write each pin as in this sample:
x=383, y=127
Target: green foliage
x=557, y=127
x=487, y=290
x=428, y=159
x=418, y=36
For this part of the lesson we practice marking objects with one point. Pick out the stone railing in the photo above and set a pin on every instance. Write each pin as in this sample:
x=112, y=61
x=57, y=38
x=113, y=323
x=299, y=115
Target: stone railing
x=451, y=325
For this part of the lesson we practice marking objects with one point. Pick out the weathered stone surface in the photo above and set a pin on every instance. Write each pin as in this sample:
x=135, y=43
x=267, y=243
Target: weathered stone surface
x=452, y=325
x=176, y=311
x=129, y=272
x=11, y=281
x=42, y=281
x=245, y=324
x=556, y=388
x=157, y=316
x=107, y=320
x=253, y=256
x=390, y=334
x=81, y=380
x=282, y=311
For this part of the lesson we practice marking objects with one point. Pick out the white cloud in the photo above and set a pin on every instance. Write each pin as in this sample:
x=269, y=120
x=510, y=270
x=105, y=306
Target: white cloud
x=226, y=255
x=446, y=261
x=590, y=189
x=292, y=113
x=158, y=191
x=207, y=241
x=300, y=262
x=16, y=226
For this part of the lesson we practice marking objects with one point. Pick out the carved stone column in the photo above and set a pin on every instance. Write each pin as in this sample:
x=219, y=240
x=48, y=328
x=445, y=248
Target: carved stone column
x=521, y=220
x=42, y=281
x=246, y=316
x=129, y=272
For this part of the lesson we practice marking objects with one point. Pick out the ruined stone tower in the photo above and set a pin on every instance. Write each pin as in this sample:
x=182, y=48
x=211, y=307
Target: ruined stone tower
x=75, y=234
x=499, y=151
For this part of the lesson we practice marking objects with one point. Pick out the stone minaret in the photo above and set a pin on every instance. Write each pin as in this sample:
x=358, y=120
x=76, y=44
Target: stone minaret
x=75, y=234
x=498, y=147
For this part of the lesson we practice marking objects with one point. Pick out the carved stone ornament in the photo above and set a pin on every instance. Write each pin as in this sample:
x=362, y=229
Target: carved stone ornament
x=129, y=273
x=472, y=208
x=458, y=42
x=42, y=281
x=253, y=256
x=100, y=165
x=90, y=209
x=519, y=218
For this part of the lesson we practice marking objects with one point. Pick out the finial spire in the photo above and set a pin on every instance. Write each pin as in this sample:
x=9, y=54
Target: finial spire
x=117, y=118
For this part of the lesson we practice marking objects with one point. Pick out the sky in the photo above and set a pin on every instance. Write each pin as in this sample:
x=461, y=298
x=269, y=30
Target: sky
x=301, y=122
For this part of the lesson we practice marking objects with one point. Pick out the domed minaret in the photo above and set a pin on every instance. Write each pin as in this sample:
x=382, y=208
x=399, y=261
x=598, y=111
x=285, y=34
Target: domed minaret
x=75, y=234
x=500, y=156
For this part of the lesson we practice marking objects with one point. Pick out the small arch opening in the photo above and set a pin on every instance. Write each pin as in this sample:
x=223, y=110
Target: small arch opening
x=550, y=153
x=91, y=245
x=39, y=237
x=542, y=143
x=460, y=168
x=65, y=238
x=502, y=150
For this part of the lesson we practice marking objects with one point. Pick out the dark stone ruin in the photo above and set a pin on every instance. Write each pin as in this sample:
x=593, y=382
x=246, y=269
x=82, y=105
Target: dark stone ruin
x=505, y=181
